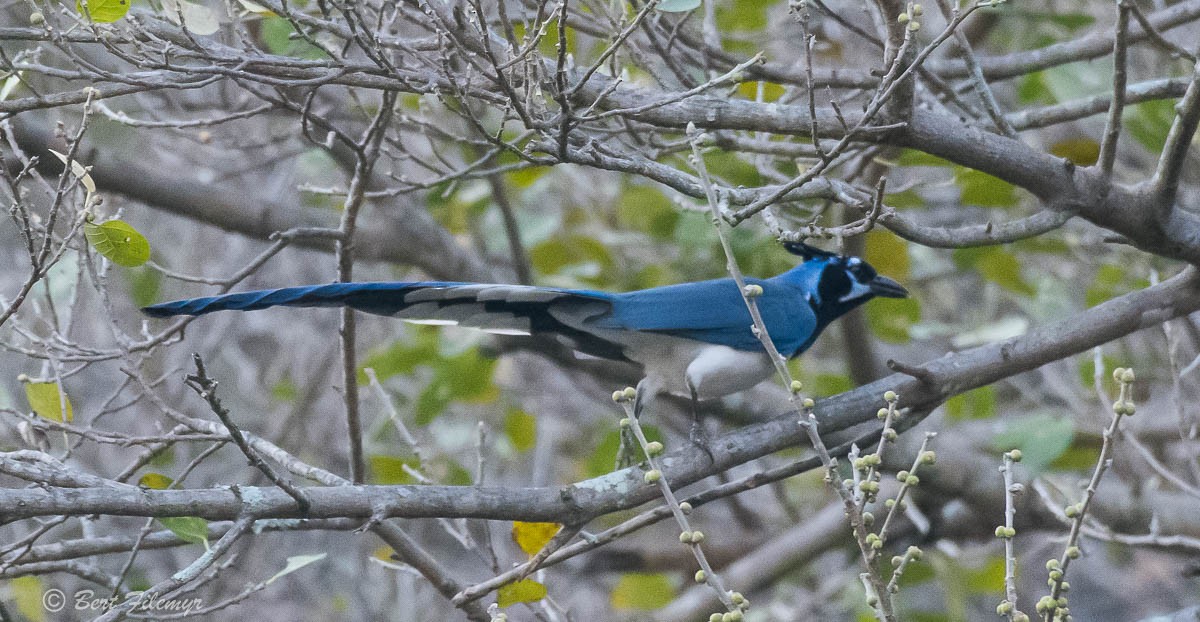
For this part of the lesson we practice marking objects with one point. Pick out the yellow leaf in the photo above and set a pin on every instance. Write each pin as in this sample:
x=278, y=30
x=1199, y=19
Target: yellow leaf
x=155, y=481
x=524, y=591
x=44, y=399
x=77, y=170
x=642, y=591
x=531, y=537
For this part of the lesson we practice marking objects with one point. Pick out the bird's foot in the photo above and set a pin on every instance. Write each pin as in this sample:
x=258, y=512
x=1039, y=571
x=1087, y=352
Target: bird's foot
x=698, y=436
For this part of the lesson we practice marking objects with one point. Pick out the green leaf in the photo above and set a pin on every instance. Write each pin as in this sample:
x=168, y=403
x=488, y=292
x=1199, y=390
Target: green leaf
x=647, y=209
x=979, y=188
x=732, y=168
x=824, y=385
x=891, y=319
x=189, y=528
x=913, y=157
x=145, y=285
x=905, y=199
x=278, y=36
x=677, y=6
x=888, y=254
x=28, y=593
x=451, y=473
x=463, y=377
x=576, y=251
x=523, y=591
x=1112, y=281
x=104, y=11
x=1081, y=151
x=642, y=591
x=986, y=579
x=119, y=242
x=294, y=563
x=1032, y=89
x=1149, y=122
x=48, y=402
x=285, y=390
x=977, y=404
x=1087, y=369
x=1080, y=456
x=532, y=537
x=604, y=457
x=521, y=429
x=996, y=265
x=389, y=470
x=401, y=357
x=1041, y=438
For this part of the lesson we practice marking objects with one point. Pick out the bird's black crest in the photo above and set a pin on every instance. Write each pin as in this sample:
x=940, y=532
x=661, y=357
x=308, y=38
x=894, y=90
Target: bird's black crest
x=806, y=251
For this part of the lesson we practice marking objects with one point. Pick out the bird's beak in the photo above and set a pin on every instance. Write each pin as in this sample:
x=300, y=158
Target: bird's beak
x=887, y=288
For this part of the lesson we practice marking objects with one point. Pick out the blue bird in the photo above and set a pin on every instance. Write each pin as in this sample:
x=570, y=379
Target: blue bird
x=692, y=339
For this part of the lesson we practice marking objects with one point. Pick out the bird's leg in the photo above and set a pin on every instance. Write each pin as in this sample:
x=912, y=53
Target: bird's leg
x=698, y=434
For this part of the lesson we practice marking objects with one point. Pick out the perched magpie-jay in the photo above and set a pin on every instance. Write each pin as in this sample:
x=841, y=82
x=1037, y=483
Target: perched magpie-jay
x=692, y=339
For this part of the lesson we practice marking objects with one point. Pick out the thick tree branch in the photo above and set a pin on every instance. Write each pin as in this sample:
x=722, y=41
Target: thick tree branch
x=941, y=378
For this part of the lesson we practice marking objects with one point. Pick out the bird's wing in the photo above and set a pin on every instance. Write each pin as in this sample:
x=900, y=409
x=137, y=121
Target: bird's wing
x=714, y=312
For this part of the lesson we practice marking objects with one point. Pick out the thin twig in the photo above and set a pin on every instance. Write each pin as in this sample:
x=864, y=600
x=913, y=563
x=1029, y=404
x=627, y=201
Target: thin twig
x=206, y=388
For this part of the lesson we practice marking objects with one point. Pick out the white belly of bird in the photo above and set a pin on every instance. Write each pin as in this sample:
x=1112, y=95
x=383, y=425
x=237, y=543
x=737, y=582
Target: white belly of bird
x=714, y=370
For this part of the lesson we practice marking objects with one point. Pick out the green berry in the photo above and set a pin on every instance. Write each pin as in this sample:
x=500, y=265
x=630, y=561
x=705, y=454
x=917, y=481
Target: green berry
x=890, y=396
x=701, y=576
x=652, y=476
x=654, y=448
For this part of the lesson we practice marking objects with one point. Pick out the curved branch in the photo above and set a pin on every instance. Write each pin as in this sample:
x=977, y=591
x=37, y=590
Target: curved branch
x=977, y=235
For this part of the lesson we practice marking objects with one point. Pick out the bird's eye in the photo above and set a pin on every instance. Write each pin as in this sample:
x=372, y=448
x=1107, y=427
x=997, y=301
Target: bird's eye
x=834, y=283
x=862, y=271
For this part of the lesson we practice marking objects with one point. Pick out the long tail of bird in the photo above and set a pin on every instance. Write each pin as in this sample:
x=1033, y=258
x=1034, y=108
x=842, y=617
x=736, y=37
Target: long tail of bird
x=500, y=309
